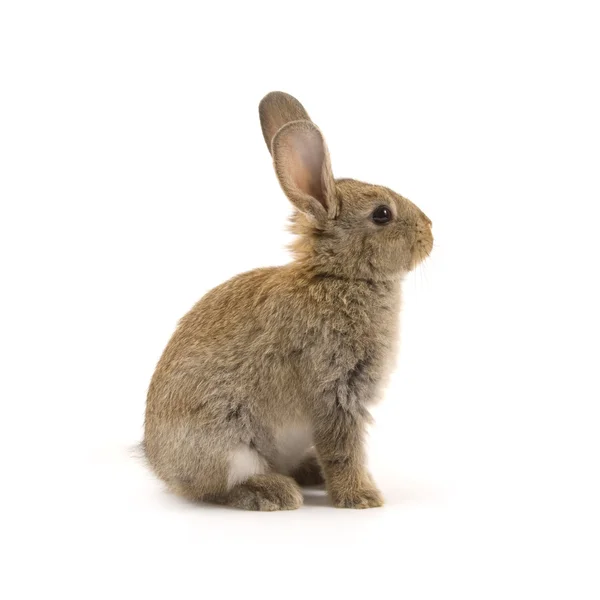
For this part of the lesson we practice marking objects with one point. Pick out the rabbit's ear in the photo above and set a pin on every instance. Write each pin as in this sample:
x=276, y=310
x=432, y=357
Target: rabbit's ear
x=303, y=168
x=277, y=109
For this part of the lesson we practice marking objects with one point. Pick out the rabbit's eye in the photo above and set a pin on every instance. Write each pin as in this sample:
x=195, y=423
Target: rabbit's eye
x=382, y=215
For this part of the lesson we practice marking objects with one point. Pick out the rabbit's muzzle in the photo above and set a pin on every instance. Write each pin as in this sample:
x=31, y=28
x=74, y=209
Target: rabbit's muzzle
x=423, y=244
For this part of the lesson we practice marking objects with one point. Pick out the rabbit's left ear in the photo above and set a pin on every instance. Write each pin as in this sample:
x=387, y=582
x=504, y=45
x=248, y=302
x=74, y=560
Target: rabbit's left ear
x=303, y=168
x=277, y=109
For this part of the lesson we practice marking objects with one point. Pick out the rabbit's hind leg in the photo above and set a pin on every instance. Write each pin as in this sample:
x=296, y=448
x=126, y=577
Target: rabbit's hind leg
x=252, y=485
x=247, y=482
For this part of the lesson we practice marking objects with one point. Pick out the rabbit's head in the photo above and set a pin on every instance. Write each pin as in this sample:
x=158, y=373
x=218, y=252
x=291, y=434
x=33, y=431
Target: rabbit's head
x=345, y=227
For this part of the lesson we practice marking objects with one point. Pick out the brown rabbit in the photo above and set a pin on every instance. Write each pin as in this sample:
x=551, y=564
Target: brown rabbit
x=267, y=381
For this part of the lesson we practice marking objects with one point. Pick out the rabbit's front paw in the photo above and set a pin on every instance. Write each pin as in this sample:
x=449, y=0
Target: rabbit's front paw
x=363, y=497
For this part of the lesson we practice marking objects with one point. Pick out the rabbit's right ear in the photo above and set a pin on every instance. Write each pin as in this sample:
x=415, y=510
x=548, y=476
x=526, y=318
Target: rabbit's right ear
x=302, y=164
x=277, y=109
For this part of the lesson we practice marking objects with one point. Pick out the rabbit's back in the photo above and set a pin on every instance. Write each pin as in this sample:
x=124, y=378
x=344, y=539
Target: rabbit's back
x=213, y=344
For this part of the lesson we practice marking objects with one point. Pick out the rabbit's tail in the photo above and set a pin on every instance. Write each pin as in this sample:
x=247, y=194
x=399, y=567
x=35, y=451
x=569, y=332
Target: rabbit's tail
x=138, y=451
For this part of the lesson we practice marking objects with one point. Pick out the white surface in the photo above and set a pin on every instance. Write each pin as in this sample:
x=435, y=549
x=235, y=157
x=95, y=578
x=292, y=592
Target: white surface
x=134, y=177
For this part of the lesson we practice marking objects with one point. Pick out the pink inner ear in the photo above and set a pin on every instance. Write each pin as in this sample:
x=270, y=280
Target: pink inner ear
x=306, y=164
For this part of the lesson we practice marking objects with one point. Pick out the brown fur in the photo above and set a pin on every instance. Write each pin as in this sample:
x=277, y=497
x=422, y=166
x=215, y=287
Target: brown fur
x=306, y=346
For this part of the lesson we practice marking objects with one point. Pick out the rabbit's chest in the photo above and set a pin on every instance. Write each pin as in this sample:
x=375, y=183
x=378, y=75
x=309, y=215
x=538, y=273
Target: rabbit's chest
x=359, y=362
x=349, y=352
x=368, y=336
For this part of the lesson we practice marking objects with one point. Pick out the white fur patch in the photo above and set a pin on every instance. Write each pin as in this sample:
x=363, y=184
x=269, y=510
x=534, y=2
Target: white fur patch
x=292, y=444
x=243, y=463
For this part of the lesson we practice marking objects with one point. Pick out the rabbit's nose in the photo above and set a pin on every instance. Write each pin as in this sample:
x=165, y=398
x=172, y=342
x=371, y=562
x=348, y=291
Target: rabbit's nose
x=426, y=219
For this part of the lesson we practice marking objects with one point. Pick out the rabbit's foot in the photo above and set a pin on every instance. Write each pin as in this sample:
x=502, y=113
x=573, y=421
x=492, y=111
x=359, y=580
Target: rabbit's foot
x=266, y=493
x=362, y=497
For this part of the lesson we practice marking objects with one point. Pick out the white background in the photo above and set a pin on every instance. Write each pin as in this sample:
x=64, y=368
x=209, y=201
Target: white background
x=134, y=177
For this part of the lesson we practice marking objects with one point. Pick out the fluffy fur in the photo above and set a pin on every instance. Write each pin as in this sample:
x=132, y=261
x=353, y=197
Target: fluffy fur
x=266, y=383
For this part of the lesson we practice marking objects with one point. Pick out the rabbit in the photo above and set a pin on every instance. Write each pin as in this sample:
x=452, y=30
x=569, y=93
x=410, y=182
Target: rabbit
x=266, y=384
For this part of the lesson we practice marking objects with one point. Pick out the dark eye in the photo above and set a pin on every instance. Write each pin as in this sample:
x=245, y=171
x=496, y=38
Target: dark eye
x=382, y=215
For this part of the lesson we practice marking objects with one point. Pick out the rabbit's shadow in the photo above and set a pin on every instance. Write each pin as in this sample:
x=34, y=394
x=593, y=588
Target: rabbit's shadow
x=315, y=496
x=412, y=493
